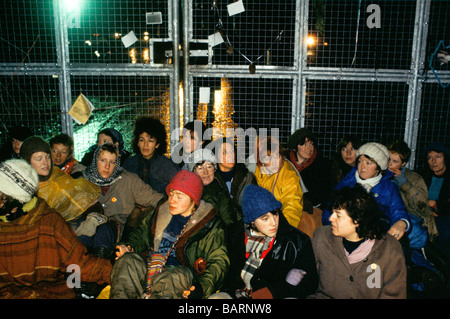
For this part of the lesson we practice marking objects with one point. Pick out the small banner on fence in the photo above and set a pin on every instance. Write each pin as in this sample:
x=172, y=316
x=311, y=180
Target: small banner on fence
x=81, y=110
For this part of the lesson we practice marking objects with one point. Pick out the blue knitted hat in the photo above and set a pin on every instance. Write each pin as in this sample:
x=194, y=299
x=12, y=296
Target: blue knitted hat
x=257, y=201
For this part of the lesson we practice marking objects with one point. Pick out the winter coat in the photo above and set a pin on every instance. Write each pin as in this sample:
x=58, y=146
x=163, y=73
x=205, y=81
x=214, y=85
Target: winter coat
x=291, y=251
x=414, y=193
x=316, y=177
x=443, y=202
x=123, y=195
x=156, y=171
x=386, y=194
x=70, y=197
x=285, y=186
x=36, y=251
x=382, y=274
x=72, y=167
x=214, y=194
x=242, y=178
x=204, y=237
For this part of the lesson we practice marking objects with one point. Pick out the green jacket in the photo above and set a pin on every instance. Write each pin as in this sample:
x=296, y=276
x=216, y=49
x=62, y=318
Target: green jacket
x=214, y=194
x=204, y=237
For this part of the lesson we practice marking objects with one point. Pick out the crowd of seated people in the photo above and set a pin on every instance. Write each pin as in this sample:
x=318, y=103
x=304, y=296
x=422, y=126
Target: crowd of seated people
x=200, y=224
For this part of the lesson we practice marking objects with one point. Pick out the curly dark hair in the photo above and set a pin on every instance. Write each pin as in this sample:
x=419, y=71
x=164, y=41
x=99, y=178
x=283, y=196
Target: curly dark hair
x=363, y=209
x=152, y=127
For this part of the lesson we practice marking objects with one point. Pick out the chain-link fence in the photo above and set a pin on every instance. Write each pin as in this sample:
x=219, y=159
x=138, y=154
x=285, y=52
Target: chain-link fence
x=335, y=66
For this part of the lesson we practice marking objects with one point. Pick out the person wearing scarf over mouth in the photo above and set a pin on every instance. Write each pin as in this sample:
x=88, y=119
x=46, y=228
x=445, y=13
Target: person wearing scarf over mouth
x=270, y=259
x=371, y=172
x=36, y=245
x=355, y=257
x=120, y=191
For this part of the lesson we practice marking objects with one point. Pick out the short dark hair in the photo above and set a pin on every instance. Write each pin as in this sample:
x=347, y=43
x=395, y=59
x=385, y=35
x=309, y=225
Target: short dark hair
x=152, y=127
x=370, y=158
x=63, y=139
x=401, y=148
x=362, y=208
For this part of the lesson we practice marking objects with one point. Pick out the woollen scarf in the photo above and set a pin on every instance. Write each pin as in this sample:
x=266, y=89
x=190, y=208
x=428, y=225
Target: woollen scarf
x=305, y=163
x=361, y=252
x=369, y=183
x=92, y=175
x=256, y=248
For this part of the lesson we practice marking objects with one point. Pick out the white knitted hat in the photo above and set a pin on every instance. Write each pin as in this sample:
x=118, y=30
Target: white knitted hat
x=377, y=151
x=199, y=156
x=18, y=179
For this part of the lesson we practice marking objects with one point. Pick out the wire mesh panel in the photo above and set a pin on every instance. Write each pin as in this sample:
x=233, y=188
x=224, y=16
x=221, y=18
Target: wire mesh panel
x=434, y=118
x=361, y=33
x=252, y=105
x=118, y=101
x=375, y=111
x=28, y=32
x=117, y=31
x=438, y=39
x=263, y=33
x=32, y=101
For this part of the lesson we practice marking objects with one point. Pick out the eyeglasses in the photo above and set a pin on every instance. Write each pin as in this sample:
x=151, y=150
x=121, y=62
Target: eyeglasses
x=205, y=168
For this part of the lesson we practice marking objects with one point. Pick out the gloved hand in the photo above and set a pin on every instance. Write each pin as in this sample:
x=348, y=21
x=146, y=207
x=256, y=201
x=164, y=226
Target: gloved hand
x=90, y=224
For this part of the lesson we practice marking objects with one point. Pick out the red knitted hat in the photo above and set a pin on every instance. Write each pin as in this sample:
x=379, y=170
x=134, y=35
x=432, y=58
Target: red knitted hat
x=188, y=183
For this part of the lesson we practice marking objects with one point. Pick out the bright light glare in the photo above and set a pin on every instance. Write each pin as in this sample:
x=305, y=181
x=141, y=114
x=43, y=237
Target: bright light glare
x=310, y=40
x=71, y=5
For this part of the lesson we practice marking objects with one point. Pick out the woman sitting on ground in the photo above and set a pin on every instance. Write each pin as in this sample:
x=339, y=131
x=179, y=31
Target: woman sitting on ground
x=203, y=163
x=278, y=175
x=231, y=175
x=371, y=173
x=344, y=158
x=73, y=198
x=37, y=248
x=414, y=194
x=270, y=259
x=150, y=163
x=120, y=191
x=178, y=251
x=355, y=258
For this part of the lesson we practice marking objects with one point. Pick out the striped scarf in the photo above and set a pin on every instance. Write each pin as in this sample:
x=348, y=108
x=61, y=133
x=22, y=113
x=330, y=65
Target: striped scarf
x=256, y=248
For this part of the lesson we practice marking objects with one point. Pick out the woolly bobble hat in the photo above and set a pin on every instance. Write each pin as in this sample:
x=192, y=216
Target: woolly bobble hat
x=199, y=156
x=188, y=183
x=33, y=145
x=257, y=201
x=377, y=151
x=18, y=179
